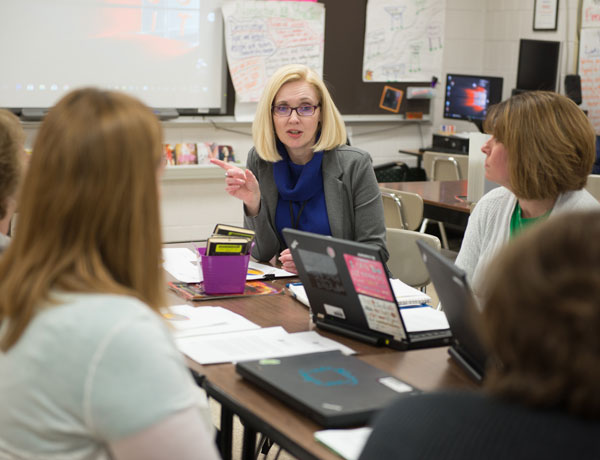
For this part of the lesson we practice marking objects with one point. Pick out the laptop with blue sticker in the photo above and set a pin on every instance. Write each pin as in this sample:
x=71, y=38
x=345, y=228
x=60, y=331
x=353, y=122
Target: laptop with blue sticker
x=330, y=388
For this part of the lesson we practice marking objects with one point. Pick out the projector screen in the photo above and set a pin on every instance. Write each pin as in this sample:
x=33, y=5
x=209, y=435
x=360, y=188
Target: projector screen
x=168, y=53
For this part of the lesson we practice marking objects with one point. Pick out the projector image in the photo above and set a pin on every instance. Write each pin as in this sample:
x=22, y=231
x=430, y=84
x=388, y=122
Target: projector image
x=451, y=144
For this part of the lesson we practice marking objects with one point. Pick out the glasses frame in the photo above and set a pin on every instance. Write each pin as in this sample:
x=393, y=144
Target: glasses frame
x=292, y=109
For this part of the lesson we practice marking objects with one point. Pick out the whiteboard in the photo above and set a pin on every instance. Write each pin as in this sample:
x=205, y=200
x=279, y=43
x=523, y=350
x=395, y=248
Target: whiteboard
x=169, y=53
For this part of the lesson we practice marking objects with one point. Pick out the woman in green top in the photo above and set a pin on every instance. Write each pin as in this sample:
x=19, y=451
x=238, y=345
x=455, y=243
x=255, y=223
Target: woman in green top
x=541, y=151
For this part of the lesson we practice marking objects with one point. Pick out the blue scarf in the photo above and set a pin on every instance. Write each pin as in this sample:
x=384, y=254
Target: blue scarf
x=301, y=202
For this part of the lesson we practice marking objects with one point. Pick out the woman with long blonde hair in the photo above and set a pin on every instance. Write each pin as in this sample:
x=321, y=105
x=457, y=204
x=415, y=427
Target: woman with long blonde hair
x=88, y=368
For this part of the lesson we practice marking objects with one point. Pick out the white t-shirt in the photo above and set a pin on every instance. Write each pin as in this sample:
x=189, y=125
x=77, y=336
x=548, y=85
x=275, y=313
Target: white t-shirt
x=90, y=370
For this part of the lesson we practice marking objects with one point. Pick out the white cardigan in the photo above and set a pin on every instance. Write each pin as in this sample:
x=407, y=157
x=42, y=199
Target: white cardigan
x=488, y=229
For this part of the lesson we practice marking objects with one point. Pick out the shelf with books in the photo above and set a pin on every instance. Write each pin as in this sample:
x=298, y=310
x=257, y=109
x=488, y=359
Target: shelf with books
x=191, y=160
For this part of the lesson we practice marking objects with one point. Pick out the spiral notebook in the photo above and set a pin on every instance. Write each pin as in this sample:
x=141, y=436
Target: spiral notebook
x=405, y=295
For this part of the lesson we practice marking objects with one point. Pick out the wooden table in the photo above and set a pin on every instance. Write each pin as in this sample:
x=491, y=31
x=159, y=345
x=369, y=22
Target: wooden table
x=445, y=201
x=259, y=412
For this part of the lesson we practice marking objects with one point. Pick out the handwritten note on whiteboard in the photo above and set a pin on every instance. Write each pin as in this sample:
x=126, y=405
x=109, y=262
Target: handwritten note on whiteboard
x=403, y=40
x=260, y=37
x=589, y=69
x=590, y=13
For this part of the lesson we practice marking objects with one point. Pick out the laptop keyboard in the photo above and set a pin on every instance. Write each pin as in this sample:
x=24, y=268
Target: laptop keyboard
x=426, y=335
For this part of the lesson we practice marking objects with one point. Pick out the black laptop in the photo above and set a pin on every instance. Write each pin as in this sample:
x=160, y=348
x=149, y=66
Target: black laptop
x=350, y=293
x=333, y=389
x=457, y=299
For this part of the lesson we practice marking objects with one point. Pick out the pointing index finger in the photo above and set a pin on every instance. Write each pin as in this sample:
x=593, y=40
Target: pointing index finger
x=222, y=164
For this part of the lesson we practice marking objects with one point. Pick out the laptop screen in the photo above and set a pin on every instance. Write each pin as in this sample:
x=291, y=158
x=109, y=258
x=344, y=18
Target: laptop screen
x=346, y=282
x=453, y=290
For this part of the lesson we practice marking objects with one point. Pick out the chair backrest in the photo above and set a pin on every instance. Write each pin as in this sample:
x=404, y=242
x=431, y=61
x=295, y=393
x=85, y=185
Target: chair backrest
x=402, y=209
x=445, y=166
x=405, y=262
x=593, y=185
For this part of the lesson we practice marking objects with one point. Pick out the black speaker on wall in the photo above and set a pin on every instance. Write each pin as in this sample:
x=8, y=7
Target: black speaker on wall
x=573, y=88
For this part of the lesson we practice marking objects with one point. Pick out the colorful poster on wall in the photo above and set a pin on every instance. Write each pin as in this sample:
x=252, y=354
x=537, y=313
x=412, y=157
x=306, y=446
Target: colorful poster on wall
x=589, y=70
x=403, y=40
x=260, y=37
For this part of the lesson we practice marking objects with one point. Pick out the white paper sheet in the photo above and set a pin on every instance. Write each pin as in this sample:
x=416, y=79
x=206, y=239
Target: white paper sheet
x=193, y=321
x=258, y=344
x=407, y=295
x=419, y=319
x=182, y=264
x=258, y=271
x=346, y=443
x=403, y=40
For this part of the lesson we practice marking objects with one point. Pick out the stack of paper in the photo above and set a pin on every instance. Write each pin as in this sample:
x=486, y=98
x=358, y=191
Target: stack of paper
x=255, y=344
x=193, y=321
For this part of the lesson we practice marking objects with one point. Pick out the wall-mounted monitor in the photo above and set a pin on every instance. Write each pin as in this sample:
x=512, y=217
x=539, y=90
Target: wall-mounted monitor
x=167, y=53
x=538, y=65
x=469, y=97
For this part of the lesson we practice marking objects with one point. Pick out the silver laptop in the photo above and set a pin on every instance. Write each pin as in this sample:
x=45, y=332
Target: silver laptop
x=349, y=291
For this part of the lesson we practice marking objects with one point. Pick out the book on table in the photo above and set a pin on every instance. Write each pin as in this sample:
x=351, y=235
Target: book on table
x=195, y=291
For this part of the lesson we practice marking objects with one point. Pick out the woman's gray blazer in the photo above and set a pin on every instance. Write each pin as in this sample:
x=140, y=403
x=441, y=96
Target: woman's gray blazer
x=352, y=198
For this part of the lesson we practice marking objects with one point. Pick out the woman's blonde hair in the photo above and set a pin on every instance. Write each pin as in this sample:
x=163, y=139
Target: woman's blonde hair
x=89, y=215
x=12, y=140
x=333, y=130
x=550, y=143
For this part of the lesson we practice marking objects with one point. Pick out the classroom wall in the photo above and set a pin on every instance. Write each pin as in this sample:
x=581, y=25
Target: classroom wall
x=481, y=37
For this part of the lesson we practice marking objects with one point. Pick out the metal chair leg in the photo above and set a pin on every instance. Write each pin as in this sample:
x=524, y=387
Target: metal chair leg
x=444, y=238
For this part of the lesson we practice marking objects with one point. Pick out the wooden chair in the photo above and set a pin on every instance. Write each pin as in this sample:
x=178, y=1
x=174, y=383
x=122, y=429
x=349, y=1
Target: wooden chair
x=405, y=262
x=402, y=209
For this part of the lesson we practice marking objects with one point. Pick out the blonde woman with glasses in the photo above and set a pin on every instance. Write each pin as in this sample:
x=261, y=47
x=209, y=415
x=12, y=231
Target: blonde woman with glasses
x=89, y=369
x=300, y=172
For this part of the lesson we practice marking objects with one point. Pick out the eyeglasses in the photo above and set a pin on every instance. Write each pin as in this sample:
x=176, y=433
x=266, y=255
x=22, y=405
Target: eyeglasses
x=286, y=110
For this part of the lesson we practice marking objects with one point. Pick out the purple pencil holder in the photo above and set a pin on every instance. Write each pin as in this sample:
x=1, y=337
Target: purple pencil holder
x=224, y=274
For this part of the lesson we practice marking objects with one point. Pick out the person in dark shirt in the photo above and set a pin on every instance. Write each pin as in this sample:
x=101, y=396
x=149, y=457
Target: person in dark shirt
x=540, y=397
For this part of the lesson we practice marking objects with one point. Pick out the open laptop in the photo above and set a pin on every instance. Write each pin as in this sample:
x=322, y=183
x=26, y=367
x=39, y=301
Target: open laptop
x=457, y=299
x=350, y=293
